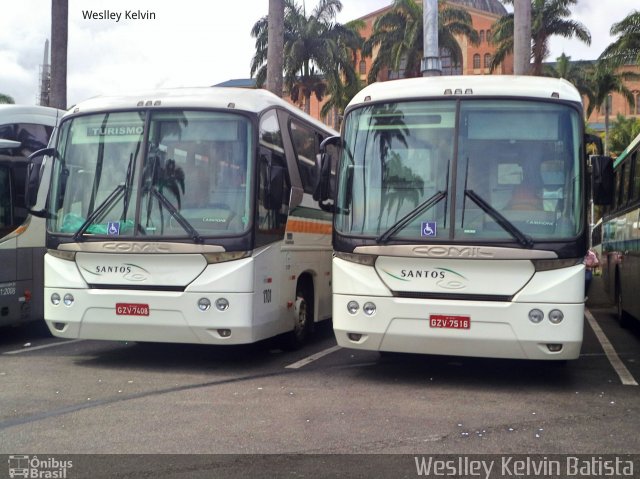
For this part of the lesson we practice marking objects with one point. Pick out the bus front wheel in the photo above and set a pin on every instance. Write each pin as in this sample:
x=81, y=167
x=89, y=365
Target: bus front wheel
x=303, y=318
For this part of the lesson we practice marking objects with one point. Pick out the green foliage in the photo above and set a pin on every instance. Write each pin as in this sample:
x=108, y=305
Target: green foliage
x=626, y=49
x=6, y=99
x=548, y=18
x=318, y=52
x=623, y=131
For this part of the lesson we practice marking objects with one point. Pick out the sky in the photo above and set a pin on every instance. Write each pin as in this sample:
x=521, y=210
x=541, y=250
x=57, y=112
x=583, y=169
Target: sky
x=187, y=42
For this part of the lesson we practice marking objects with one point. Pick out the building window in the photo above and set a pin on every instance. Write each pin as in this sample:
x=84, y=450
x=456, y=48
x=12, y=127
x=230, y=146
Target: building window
x=488, y=36
x=487, y=60
x=476, y=61
x=636, y=106
x=448, y=67
x=363, y=67
x=481, y=36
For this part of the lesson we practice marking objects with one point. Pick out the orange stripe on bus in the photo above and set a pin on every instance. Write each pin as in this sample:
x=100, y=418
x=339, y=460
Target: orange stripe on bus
x=298, y=226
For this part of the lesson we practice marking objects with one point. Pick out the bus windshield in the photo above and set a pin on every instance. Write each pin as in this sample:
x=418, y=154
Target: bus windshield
x=171, y=173
x=471, y=170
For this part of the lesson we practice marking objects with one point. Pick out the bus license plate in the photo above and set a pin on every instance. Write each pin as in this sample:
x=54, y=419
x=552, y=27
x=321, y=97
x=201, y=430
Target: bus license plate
x=449, y=322
x=132, y=309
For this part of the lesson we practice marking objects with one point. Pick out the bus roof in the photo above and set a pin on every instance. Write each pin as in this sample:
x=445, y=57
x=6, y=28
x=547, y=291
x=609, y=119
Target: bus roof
x=40, y=115
x=468, y=86
x=243, y=99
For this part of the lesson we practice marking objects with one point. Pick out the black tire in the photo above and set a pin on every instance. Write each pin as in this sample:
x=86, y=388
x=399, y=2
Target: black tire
x=303, y=323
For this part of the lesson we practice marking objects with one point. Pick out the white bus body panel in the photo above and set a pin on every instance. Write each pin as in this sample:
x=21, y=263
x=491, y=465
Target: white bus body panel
x=498, y=328
x=173, y=315
x=253, y=314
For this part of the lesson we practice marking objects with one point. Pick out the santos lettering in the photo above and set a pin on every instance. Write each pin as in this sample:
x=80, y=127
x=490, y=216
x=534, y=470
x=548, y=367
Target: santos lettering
x=408, y=273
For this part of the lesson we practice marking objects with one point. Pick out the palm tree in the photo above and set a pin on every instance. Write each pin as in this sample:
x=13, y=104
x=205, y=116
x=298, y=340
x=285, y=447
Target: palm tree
x=6, y=98
x=626, y=49
x=574, y=72
x=316, y=50
x=275, y=54
x=548, y=18
x=604, y=80
x=399, y=36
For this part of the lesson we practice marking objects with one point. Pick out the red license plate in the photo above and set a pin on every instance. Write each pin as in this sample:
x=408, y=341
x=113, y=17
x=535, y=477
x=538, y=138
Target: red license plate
x=132, y=309
x=449, y=322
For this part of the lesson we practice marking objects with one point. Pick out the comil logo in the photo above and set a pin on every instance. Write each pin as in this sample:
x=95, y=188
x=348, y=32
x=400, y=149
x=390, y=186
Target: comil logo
x=34, y=467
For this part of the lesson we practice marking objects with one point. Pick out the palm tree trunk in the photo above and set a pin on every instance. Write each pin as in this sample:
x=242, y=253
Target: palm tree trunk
x=275, y=47
x=522, y=37
x=607, y=107
x=59, y=33
x=307, y=102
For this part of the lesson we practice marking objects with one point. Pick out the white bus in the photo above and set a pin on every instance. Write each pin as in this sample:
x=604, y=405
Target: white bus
x=185, y=215
x=23, y=130
x=620, y=250
x=460, y=218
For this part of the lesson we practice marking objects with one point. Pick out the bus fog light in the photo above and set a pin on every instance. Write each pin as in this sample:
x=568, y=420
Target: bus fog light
x=535, y=316
x=55, y=299
x=222, y=304
x=68, y=299
x=204, y=304
x=225, y=333
x=556, y=316
x=353, y=307
x=354, y=336
x=369, y=309
x=554, y=348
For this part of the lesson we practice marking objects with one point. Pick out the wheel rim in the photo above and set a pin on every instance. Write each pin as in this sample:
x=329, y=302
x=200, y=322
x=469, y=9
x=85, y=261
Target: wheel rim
x=301, y=319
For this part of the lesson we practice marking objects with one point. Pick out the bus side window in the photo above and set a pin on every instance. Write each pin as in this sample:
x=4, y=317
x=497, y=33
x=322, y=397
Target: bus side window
x=272, y=214
x=5, y=201
x=306, y=146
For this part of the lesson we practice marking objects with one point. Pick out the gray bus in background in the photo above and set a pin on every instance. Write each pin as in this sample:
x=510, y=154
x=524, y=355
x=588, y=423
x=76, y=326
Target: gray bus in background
x=23, y=130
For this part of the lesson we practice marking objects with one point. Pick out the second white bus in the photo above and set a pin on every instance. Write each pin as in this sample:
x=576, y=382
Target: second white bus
x=461, y=218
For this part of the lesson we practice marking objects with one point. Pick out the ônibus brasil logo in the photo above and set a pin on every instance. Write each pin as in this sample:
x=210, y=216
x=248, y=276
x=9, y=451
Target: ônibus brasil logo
x=34, y=467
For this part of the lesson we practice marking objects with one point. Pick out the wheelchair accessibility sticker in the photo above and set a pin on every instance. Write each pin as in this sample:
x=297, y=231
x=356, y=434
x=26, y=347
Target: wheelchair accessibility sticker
x=428, y=228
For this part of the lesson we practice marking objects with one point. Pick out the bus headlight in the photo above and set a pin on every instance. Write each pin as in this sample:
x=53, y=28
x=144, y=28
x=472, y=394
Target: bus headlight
x=68, y=299
x=535, y=316
x=204, y=304
x=353, y=307
x=369, y=308
x=222, y=304
x=55, y=299
x=556, y=316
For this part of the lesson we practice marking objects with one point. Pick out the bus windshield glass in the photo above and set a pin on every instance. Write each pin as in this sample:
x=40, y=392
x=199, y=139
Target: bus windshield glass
x=171, y=173
x=471, y=170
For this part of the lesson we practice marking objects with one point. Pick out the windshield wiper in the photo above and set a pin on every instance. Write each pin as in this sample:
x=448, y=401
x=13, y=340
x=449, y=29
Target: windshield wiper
x=178, y=216
x=504, y=223
x=406, y=219
x=96, y=213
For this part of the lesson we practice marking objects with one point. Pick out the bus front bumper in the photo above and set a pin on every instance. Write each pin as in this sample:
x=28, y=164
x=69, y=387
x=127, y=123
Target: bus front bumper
x=497, y=330
x=172, y=317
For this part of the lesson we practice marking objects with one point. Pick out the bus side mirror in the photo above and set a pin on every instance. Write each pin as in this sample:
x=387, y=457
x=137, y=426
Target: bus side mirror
x=34, y=179
x=602, y=179
x=326, y=186
x=9, y=144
